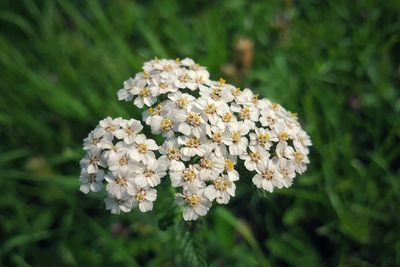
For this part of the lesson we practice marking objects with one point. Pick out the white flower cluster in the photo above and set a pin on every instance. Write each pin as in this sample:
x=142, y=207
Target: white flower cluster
x=208, y=126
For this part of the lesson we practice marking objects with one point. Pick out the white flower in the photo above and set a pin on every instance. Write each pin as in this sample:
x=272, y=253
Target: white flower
x=142, y=150
x=163, y=125
x=148, y=114
x=193, y=124
x=283, y=132
x=235, y=138
x=183, y=80
x=118, y=182
x=262, y=138
x=300, y=160
x=230, y=170
x=192, y=146
x=142, y=196
x=116, y=205
x=162, y=86
x=194, y=201
x=144, y=97
x=301, y=141
x=210, y=166
x=121, y=161
x=248, y=114
x=283, y=150
x=91, y=181
x=199, y=78
x=268, y=177
x=221, y=189
x=125, y=93
x=226, y=114
x=171, y=155
x=218, y=91
x=166, y=66
x=186, y=176
x=94, y=138
x=216, y=145
x=110, y=125
x=113, y=149
x=268, y=116
x=210, y=109
x=286, y=169
x=188, y=62
x=150, y=174
x=181, y=100
x=244, y=97
x=254, y=157
x=92, y=160
x=129, y=130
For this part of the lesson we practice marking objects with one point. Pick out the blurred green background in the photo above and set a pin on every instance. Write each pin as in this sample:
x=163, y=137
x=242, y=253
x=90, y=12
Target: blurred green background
x=336, y=63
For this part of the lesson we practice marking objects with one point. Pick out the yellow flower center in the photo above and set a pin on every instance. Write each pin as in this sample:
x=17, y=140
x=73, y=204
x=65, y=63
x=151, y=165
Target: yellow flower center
x=221, y=184
x=156, y=110
x=245, y=113
x=263, y=138
x=274, y=106
x=174, y=153
x=140, y=196
x=227, y=117
x=166, y=124
x=94, y=141
x=121, y=181
x=110, y=128
x=192, y=200
x=129, y=130
x=124, y=160
x=193, y=119
x=236, y=137
x=216, y=94
x=146, y=75
x=189, y=175
x=148, y=173
x=284, y=136
x=229, y=165
x=210, y=109
x=222, y=81
x=183, y=78
x=182, y=102
x=167, y=67
x=267, y=175
x=145, y=92
x=236, y=91
x=254, y=156
x=206, y=163
x=162, y=86
x=142, y=148
x=298, y=156
x=193, y=142
x=217, y=137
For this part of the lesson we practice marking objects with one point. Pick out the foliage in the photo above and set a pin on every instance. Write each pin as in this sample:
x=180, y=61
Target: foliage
x=336, y=63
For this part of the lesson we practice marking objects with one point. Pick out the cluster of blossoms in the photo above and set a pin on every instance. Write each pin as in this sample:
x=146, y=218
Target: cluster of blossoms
x=208, y=127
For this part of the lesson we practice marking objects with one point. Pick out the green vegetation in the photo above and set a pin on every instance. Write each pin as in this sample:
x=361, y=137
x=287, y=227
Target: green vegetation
x=336, y=63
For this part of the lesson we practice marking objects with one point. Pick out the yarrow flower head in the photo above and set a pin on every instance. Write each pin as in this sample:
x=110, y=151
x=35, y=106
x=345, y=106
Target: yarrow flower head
x=207, y=127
